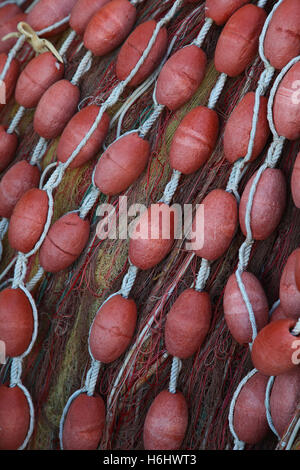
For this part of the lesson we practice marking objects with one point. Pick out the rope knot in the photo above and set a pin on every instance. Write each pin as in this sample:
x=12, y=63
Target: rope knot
x=265, y=78
x=38, y=44
x=20, y=270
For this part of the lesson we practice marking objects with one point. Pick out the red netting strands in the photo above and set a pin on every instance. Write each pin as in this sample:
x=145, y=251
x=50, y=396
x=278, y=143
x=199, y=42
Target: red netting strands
x=68, y=300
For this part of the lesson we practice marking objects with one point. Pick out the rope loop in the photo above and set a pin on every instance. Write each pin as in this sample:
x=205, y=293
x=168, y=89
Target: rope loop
x=39, y=45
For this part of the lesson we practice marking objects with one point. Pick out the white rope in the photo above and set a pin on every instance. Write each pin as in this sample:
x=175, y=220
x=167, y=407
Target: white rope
x=31, y=414
x=263, y=34
x=28, y=9
x=273, y=93
x=171, y=187
x=217, y=90
x=11, y=55
x=274, y=306
x=8, y=267
x=203, y=32
x=3, y=227
x=267, y=406
x=65, y=412
x=261, y=3
x=45, y=173
x=35, y=279
x=91, y=377
x=89, y=201
x=12, y=2
x=145, y=128
x=296, y=330
x=175, y=371
x=238, y=445
x=203, y=275
x=239, y=165
x=35, y=322
x=238, y=275
x=83, y=67
x=16, y=120
x=39, y=151
x=67, y=42
x=293, y=436
x=129, y=280
x=20, y=270
x=53, y=26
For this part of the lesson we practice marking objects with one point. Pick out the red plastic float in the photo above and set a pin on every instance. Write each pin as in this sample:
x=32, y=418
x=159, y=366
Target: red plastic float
x=84, y=423
x=82, y=13
x=187, y=323
x=17, y=181
x=121, y=164
x=76, y=131
x=16, y=321
x=238, y=42
x=10, y=26
x=220, y=223
x=39, y=74
x=55, y=109
x=249, y=419
x=133, y=49
x=286, y=109
x=194, y=140
x=64, y=242
x=8, y=147
x=295, y=182
x=278, y=314
x=28, y=220
x=238, y=129
x=235, y=310
x=153, y=236
x=112, y=329
x=14, y=417
x=180, y=77
x=166, y=422
x=282, y=409
x=282, y=41
x=47, y=12
x=221, y=10
x=11, y=76
x=109, y=27
x=289, y=293
x=9, y=11
x=268, y=204
x=274, y=347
